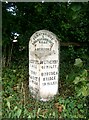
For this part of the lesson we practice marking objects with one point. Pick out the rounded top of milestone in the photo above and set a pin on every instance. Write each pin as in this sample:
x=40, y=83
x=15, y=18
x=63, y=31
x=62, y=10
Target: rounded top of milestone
x=43, y=43
x=43, y=35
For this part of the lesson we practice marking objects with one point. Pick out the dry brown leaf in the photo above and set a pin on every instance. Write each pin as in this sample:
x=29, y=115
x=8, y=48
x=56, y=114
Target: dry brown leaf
x=44, y=112
x=59, y=107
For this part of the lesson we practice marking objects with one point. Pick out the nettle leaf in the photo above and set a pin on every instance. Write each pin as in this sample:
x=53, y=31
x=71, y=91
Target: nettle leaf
x=78, y=62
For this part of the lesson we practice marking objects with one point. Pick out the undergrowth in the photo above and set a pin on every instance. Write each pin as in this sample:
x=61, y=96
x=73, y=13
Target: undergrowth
x=69, y=103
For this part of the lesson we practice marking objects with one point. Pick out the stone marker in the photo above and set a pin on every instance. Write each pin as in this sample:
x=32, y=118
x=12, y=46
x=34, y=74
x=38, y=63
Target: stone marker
x=43, y=65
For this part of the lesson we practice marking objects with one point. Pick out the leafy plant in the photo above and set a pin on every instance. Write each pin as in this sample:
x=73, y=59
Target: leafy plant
x=78, y=62
x=73, y=107
x=81, y=81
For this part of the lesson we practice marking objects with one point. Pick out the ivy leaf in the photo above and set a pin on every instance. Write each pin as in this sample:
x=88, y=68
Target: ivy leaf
x=84, y=74
x=8, y=104
x=29, y=116
x=84, y=91
x=18, y=113
x=88, y=85
x=74, y=16
x=78, y=62
x=76, y=7
x=15, y=108
x=77, y=80
x=80, y=106
x=79, y=92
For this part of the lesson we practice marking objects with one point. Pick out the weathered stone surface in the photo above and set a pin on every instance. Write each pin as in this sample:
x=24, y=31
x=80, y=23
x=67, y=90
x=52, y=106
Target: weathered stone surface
x=43, y=65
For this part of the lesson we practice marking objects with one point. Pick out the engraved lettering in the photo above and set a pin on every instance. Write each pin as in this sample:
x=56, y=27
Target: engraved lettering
x=43, y=64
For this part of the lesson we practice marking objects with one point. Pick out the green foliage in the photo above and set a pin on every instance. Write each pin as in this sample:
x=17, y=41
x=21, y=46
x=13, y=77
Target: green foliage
x=12, y=79
x=68, y=21
x=76, y=7
x=78, y=62
x=81, y=81
x=77, y=81
x=17, y=103
x=78, y=78
x=73, y=107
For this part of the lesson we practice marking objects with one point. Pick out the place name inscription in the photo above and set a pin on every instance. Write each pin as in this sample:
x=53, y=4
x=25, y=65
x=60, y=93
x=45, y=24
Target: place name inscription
x=45, y=75
x=44, y=61
x=43, y=64
x=48, y=38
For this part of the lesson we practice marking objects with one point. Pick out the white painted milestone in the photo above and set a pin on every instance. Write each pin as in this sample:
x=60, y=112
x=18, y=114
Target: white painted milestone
x=43, y=65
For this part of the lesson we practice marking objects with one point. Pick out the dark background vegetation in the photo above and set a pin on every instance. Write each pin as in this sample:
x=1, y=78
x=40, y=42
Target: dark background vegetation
x=70, y=22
